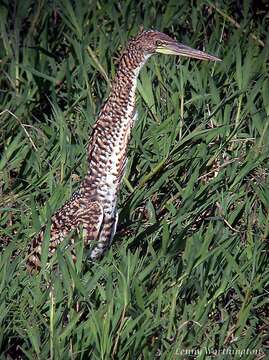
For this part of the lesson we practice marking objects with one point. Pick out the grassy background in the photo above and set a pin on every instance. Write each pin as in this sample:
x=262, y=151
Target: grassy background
x=187, y=269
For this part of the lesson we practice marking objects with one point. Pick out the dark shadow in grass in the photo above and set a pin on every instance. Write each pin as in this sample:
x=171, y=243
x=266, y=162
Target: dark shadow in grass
x=13, y=346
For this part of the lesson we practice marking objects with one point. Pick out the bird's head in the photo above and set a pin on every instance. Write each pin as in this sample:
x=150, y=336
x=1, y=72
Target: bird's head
x=151, y=42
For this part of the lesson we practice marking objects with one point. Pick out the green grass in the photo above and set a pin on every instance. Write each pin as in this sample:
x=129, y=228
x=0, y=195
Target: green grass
x=188, y=268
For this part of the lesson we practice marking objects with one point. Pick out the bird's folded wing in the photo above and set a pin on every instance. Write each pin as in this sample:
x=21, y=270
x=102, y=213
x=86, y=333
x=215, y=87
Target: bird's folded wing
x=84, y=214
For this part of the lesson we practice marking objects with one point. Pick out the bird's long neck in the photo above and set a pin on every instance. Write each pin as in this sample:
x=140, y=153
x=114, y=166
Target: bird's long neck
x=128, y=69
x=111, y=134
x=122, y=96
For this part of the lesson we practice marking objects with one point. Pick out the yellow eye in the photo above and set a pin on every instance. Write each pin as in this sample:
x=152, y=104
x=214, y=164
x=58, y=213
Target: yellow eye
x=159, y=43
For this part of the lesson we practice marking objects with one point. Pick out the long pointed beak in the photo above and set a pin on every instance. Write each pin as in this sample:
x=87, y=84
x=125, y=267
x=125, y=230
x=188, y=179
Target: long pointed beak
x=183, y=50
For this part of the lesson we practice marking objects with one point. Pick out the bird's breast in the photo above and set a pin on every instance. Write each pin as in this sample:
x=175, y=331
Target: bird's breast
x=108, y=160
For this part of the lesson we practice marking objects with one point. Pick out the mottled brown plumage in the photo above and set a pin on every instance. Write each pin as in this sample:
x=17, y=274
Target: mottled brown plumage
x=93, y=206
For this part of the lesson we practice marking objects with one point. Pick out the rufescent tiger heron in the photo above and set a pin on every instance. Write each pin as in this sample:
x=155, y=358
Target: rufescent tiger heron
x=93, y=206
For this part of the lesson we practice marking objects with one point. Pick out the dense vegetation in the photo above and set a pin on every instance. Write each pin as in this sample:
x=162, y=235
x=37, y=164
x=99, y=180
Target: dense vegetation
x=187, y=274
